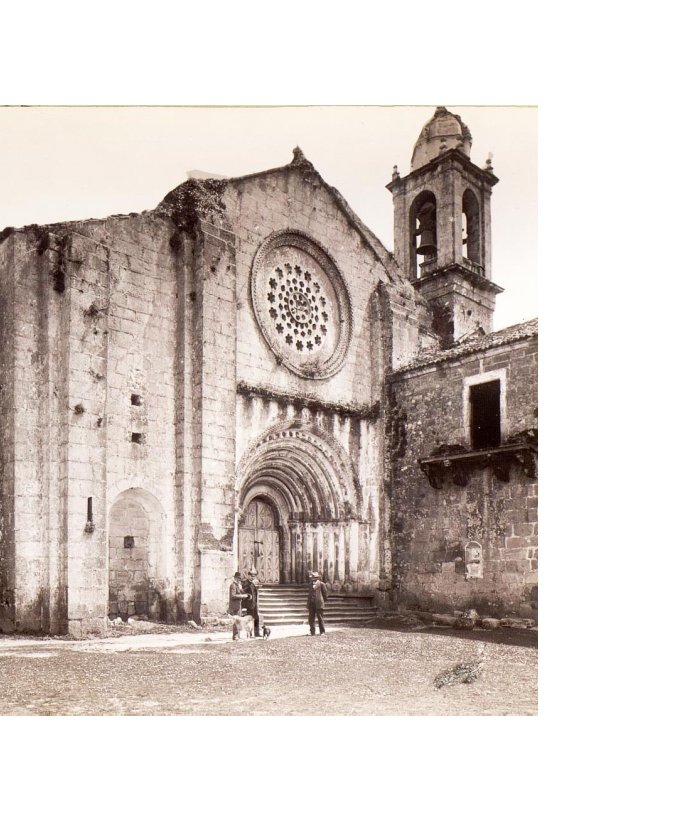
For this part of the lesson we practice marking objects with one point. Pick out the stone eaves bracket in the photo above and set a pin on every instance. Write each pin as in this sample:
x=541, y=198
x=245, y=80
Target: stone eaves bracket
x=458, y=466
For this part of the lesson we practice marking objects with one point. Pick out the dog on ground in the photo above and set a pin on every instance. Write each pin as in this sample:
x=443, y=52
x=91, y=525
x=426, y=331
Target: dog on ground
x=266, y=631
x=243, y=627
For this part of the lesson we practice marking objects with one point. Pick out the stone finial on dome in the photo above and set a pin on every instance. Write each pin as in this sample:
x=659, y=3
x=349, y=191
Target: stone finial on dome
x=443, y=132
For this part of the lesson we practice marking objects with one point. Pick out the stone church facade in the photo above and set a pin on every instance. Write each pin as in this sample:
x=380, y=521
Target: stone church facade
x=245, y=376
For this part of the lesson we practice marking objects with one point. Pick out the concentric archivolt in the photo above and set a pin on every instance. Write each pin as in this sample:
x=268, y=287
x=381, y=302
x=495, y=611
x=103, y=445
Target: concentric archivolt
x=311, y=471
x=301, y=304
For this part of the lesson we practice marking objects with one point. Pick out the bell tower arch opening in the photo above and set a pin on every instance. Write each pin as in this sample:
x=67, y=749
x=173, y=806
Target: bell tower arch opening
x=297, y=485
x=471, y=245
x=442, y=239
x=423, y=235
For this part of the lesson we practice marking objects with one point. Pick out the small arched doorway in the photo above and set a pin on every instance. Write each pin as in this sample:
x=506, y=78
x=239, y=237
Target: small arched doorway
x=135, y=559
x=259, y=541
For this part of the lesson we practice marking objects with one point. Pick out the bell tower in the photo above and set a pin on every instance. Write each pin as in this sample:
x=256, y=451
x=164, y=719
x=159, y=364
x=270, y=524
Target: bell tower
x=442, y=228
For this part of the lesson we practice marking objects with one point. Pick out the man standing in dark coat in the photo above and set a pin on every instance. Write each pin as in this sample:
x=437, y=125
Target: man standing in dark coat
x=251, y=589
x=318, y=595
x=237, y=595
x=237, y=599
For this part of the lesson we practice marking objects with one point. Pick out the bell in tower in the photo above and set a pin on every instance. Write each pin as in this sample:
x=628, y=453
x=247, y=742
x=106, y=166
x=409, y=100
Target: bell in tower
x=426, y=217
x=442, y=228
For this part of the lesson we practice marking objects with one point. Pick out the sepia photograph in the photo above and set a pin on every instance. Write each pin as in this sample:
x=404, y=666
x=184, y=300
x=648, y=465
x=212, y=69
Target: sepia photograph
x=268, y=411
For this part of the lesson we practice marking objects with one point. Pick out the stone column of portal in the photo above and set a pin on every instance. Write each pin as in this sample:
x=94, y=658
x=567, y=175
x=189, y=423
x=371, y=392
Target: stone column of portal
x=290, y=579
x=299, y=552
x=349, y=547
x=310, y=546
x=292, y=552
x=319, y=535
x=330, y=553
x=340, y=560
x=285, y=553
x=325, y=572
x=316, y=538
x=309, y=550
x=355, y=545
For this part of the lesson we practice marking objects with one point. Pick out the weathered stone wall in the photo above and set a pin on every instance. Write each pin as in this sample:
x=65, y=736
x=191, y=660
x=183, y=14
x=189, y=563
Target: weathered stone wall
x=129, y=559
x=285, y=200
x=293, y=200
x=7, y=556
x=35, y=419
x=117, y=374
x=171, y=387
x=431, y=527
x=133, y=363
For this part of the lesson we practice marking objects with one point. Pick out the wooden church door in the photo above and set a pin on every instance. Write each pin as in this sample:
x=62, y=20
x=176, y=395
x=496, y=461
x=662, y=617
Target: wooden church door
x=259, y=542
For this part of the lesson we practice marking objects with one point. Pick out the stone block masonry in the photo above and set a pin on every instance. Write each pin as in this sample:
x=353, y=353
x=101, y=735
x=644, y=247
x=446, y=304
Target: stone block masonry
x=121, y=419
x=431, y=527
x=296, y=199
x=249, y=345
x=109, y=354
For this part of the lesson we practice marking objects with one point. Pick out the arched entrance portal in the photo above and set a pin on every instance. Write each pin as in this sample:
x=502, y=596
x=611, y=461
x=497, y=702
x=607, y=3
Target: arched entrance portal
x=259, y=541
x=302, y=479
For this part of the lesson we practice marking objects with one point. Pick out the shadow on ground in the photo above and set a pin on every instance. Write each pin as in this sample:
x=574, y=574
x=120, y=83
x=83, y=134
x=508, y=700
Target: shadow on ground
x=506, y=636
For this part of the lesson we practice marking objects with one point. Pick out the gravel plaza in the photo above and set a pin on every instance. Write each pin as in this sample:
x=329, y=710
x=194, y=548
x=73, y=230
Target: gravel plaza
x=374, y=670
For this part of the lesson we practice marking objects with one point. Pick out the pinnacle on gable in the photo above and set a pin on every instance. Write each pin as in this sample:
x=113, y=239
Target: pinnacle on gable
x=299, y=159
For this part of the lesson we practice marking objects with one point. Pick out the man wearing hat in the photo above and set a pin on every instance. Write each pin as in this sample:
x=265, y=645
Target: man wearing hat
x=237, y=595
x=237, y=598
x=318, y=595
x=250, y=587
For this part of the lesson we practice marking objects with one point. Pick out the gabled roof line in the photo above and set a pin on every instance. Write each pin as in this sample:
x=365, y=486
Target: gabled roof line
x=301, y=163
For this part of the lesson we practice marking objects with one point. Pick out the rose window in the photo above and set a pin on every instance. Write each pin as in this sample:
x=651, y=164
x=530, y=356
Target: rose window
x=298, y=301
x=301, y=304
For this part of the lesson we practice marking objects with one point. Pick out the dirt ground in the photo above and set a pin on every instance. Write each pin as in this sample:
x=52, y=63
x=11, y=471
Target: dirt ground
x=374, y=670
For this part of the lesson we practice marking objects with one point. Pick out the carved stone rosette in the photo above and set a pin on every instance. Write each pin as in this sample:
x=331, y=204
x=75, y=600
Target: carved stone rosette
x=301, y=304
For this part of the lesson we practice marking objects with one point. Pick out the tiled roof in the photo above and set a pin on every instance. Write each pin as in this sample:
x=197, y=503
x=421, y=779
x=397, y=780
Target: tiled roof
x=515, y=333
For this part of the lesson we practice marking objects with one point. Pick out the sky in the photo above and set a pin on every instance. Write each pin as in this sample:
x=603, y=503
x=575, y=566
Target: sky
x=60, y=164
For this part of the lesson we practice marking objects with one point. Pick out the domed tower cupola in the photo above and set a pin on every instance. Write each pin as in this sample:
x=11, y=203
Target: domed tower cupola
x=444, y=131
x=442, y=228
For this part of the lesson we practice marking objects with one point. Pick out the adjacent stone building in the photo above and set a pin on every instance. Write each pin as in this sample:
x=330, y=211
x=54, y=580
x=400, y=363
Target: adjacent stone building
x=245, y=376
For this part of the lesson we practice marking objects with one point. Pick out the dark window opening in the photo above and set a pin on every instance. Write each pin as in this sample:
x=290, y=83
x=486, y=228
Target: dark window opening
x=129, y=542
x=137, y=438
x=471, y=228
x=423, y=242
x=90, y=509
x=485, y=415
x=136, y=400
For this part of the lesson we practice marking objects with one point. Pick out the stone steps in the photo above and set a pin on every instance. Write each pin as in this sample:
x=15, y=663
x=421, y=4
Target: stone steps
x=287, y=605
